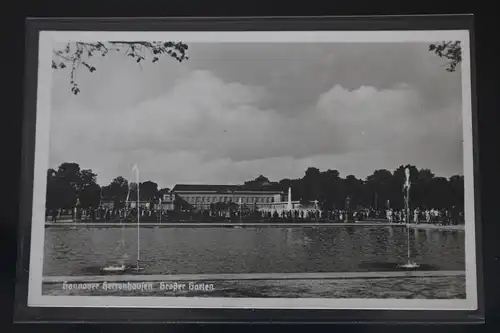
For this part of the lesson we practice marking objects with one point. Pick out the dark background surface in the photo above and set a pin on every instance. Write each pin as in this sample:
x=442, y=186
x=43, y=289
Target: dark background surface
x=487, y=61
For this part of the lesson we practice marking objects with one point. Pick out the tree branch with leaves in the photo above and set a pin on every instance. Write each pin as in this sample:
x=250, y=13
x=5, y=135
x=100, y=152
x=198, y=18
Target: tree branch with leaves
x=449, y=50
x=77, y=54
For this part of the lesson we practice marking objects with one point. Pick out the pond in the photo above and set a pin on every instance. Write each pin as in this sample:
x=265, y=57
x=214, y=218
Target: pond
x=206, y=250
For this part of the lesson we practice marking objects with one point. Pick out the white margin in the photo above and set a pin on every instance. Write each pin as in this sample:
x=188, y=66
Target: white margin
x=47, y=38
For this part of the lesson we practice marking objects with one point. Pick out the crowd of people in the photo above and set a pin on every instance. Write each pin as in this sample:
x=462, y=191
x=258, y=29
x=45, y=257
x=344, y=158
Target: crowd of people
x=432, y=216
x=103, y=214
x=452, y=216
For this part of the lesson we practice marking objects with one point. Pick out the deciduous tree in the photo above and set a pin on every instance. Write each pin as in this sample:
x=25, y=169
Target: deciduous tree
x=76, y=55
x=117, y=191
x=69, y=185
x=449, y=50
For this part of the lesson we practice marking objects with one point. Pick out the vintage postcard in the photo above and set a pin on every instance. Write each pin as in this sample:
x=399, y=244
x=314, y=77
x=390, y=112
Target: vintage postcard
x=254, y=169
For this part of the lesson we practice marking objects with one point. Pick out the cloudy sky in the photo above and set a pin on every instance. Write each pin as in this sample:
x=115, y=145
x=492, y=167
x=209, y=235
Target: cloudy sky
x=235, y=111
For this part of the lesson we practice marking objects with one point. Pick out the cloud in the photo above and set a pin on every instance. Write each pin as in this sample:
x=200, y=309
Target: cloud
x=201, y=125
x=294, y=74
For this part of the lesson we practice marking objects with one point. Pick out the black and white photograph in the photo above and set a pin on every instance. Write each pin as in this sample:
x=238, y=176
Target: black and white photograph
x=254, y=169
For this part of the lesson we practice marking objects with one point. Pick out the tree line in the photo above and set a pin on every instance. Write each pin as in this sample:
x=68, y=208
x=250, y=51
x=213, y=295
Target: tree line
x=380, y=190
x=69, y=185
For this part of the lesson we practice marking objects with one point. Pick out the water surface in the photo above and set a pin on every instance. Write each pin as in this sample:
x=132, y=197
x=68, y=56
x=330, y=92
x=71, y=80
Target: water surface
x=79, y=251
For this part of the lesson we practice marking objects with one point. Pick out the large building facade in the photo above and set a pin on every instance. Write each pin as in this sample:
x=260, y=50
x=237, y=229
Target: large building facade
x=204, y=197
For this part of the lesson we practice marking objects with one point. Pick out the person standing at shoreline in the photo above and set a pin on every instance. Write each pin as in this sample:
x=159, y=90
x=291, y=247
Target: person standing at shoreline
x=416, y=215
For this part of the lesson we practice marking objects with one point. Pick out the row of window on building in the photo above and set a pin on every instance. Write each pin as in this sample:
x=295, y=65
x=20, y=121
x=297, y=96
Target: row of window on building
x=214, y=199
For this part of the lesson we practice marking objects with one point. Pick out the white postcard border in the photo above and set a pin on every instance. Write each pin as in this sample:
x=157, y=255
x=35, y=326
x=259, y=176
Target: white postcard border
x=46, y=40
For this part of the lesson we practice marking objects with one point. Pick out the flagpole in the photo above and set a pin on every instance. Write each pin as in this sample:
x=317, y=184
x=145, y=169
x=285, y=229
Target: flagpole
x=240, y=209
x=161, y=209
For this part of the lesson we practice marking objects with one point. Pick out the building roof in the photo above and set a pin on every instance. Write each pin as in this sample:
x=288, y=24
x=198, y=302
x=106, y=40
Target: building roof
x=226, y=188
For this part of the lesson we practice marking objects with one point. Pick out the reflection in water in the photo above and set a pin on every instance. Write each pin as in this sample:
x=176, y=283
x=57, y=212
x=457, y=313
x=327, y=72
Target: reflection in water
x=379, y=241
x=416, y=233
x=437, y=236
x=248, y=250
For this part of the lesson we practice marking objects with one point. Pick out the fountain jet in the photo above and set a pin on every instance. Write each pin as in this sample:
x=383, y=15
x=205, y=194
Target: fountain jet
x=406, y=188
x=289, y=205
